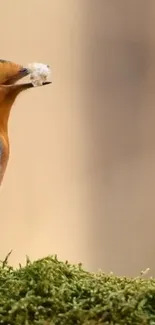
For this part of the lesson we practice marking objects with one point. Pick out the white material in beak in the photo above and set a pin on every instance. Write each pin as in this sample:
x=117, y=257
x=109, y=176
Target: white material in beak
x=39, y=73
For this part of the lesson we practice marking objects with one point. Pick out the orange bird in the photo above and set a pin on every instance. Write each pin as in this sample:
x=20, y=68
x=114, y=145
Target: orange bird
x=10, y=73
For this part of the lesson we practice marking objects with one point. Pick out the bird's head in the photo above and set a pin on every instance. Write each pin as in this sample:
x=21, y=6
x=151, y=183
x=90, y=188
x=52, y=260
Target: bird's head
x=10, y=74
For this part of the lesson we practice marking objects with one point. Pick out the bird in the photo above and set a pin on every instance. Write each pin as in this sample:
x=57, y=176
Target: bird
x=10, y=74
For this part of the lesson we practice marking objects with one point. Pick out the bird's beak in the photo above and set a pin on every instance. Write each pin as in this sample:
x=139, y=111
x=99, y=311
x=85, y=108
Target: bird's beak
x=17, y=88
x=28, y=85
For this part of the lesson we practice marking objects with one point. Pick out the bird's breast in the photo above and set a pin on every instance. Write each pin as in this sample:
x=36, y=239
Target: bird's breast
x=4, y=154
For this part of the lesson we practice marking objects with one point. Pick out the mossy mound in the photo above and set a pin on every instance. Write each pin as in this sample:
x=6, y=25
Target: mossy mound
x=52, y=292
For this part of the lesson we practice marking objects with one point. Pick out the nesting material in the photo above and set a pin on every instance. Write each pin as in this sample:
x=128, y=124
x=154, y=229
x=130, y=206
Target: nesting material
x=39, y=73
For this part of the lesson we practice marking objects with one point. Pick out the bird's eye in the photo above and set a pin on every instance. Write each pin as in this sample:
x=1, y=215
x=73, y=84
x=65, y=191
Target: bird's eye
x=23, y=70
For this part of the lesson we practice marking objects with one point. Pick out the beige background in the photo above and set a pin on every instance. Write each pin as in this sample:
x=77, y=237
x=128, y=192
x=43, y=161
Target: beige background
x=81, y=176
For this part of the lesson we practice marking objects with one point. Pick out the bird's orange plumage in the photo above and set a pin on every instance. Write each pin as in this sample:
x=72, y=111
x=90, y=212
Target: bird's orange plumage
x=10, y=73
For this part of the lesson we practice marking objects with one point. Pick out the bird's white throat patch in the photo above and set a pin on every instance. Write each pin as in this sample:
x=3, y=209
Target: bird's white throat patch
x=39, y=73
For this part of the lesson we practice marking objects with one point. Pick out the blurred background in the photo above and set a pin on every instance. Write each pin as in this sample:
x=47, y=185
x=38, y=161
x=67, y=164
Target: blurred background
x=80, y=182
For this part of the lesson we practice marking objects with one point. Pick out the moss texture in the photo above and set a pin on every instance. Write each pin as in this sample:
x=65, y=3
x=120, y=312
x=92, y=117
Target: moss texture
x=48, y=291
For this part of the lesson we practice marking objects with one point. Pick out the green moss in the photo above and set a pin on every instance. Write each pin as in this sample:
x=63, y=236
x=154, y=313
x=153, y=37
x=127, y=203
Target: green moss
x=52, y=292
